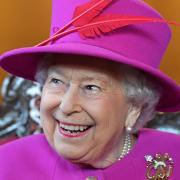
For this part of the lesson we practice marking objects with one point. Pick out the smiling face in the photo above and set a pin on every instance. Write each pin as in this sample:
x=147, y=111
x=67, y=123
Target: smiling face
x=83, y=111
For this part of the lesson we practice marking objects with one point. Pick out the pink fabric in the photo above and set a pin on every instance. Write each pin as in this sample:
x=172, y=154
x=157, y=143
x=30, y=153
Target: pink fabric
x=141, y=46
x=31, y=158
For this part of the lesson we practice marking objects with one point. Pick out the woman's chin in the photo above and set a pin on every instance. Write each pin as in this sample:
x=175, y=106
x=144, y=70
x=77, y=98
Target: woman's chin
x=70, y=155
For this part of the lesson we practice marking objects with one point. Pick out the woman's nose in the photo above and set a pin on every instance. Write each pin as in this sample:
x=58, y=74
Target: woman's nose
x=69, y=101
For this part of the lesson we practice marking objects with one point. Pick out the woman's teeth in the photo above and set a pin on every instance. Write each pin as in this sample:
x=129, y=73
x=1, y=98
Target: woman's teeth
x=74, y=128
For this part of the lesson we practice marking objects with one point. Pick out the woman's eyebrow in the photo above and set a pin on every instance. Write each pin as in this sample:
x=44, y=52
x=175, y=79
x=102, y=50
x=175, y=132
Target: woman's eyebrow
x=95, y=77
x=83, y=76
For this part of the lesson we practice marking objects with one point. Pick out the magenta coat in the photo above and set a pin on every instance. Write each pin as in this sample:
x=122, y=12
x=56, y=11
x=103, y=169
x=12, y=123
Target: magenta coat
x=31, y=158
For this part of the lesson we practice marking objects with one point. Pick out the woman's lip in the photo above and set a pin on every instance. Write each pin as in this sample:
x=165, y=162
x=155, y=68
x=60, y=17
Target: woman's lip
x=72, y=124
x=73, y=135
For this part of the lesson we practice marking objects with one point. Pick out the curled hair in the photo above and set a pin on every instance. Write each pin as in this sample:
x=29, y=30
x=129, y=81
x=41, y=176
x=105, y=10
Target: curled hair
x=42, y=69
x=140, y=92
x=138, y=89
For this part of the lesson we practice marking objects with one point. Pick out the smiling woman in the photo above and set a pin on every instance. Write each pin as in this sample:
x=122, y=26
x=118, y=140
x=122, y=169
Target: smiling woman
x=97, y=95
x=78, y=99
x=73, y=107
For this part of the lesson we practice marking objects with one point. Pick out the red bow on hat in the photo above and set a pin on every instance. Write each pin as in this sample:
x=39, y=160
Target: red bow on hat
x=89, y=23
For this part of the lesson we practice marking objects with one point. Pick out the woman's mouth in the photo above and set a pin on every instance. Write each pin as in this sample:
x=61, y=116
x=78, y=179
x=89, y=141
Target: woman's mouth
x=73, y=130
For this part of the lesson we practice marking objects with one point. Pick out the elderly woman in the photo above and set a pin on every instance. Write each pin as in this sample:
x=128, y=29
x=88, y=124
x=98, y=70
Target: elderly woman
x=101, y=85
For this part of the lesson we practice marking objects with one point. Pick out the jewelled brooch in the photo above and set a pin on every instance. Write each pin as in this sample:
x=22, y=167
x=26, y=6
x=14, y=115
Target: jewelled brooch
x=159, y=167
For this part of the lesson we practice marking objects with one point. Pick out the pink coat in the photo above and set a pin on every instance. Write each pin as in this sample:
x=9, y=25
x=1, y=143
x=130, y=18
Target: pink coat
x=31, y=158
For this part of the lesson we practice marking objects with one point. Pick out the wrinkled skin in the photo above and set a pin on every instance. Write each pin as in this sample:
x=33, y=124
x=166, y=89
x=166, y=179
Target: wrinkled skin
x=85, y=94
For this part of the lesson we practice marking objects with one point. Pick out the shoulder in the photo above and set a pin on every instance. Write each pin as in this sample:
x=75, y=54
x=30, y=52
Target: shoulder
x=26, y=143
x=25, y=154
x=159, y=137
x=158, y=141
x=27, y=146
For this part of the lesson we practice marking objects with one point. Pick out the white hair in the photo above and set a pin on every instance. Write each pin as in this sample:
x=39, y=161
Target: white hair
x=42, y=68
x=139, y=90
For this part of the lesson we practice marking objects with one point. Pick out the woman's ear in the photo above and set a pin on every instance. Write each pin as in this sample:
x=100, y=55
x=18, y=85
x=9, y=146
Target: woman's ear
x=133, y=114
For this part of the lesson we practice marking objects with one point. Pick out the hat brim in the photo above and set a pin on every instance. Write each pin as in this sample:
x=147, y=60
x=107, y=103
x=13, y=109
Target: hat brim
x=23, y=63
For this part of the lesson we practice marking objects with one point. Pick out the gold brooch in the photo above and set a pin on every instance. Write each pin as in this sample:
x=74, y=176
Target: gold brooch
x=159, y=167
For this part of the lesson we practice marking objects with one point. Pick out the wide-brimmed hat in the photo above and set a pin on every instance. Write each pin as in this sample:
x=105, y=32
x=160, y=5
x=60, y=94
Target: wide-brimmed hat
x=125, y=31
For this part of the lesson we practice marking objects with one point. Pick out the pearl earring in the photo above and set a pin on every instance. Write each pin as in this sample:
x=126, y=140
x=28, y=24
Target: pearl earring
x=128, y=129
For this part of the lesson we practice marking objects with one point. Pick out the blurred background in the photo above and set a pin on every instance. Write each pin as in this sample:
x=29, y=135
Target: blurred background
x=25, y=23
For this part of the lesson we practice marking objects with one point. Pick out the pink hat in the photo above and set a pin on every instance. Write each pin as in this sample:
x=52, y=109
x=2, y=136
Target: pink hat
x=125, y=31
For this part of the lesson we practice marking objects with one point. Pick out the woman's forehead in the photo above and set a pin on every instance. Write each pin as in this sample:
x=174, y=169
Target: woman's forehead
x=80, y=73
x=88, y=70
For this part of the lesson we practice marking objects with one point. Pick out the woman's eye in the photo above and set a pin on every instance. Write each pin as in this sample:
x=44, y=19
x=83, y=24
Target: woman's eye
x=92, y=88
x=56, y=81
